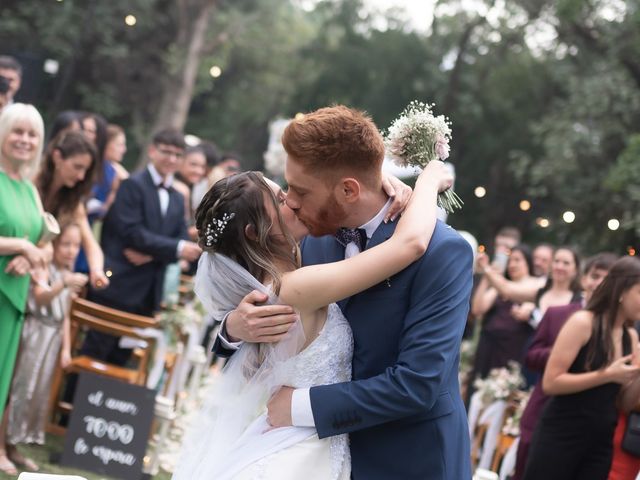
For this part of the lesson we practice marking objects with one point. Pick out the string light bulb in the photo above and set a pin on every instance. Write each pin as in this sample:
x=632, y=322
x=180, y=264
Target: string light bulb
x=568, y=216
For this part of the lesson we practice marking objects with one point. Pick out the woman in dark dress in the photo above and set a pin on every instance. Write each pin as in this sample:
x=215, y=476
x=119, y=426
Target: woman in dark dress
x=503, y=336
x=593, y=365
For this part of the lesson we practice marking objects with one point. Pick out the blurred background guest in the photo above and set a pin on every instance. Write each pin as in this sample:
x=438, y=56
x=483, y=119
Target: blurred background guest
x=115, y=149
x=103, y=192
x=595, y=270
x=588, y=369
x=542, y=258
x=147, y=219
x=535, y=296
x=64, y=182
x=190, y=173
x=65, y=121
x=4, y=92
x=213, y=156
x=21, y=143
x=502, y=336
x=45, y=343
x=229, y=164
x=11, y=69
x=561, y=288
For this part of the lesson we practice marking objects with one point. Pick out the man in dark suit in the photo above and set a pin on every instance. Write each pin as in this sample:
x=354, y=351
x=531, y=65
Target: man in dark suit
x=403, y=409
x=143, y=232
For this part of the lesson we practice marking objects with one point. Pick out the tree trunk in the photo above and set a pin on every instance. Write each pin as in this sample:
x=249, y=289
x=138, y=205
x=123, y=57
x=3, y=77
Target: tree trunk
x=194, y=19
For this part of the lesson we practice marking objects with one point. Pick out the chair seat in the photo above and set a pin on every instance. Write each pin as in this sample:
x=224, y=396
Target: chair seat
x=83, y=363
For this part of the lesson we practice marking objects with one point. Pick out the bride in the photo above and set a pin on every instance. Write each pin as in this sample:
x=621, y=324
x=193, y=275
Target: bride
x=250, y=239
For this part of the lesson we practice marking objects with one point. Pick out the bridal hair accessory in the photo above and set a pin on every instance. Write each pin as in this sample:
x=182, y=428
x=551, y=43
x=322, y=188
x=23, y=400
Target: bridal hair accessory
x=215, y=229
x=416, y=137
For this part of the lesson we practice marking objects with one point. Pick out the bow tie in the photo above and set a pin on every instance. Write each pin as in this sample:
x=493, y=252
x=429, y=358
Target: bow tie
x=356, y=235
x=161, y=185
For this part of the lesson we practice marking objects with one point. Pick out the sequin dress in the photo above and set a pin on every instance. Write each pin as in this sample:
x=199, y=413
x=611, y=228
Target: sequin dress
x=39, y=355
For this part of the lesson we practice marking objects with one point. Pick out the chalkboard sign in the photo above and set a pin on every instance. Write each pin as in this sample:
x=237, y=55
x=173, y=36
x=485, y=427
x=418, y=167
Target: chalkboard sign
x=109, y=428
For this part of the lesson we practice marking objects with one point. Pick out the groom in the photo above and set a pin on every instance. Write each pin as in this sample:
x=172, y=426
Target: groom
x=402, y=410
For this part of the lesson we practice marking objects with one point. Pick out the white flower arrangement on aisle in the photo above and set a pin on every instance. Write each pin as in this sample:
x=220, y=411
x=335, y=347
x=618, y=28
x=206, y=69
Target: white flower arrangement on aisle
x=512, y=423
x=177, y=318
x=501, y=383
x=416, y=137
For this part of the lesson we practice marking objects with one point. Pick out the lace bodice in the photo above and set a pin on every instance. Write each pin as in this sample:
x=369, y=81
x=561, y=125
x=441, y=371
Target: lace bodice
x=327, y=359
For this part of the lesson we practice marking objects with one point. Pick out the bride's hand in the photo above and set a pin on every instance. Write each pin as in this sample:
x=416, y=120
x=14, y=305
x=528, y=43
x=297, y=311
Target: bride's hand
x=279, y=408
x=399, y=191
x=436, y=171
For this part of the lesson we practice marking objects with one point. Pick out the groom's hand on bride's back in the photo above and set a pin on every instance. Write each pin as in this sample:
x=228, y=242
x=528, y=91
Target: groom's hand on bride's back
x=255, y=323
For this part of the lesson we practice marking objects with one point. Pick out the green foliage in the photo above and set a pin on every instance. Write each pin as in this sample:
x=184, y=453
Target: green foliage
x=551, y=118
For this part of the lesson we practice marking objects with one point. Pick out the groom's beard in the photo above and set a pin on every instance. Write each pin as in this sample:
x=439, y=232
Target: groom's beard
x=329, y=219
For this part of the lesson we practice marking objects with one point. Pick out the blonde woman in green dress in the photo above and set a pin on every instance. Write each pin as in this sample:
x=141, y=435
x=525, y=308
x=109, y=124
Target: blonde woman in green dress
x=21, y=140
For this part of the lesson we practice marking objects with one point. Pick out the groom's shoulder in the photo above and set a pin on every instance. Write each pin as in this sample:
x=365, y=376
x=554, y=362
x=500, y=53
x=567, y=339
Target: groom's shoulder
x=314, y=249
x=312, y=243
x=446, y=239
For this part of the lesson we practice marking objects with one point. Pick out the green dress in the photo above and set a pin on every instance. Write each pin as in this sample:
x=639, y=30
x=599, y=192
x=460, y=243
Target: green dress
x=19, y=217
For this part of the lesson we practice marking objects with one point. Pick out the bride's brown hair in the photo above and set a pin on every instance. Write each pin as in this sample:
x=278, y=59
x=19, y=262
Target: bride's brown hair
x=246, y=237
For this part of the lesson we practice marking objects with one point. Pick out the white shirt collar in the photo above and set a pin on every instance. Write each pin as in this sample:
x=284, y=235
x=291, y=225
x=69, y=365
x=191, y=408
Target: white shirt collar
x=372, y=225
x=157, y=178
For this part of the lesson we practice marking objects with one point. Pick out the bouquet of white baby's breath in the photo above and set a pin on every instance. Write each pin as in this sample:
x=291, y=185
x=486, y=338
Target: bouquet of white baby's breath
x=417, y=137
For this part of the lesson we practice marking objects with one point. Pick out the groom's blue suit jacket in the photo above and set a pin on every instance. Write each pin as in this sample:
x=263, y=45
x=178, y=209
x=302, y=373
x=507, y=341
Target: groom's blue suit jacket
x=403, y=410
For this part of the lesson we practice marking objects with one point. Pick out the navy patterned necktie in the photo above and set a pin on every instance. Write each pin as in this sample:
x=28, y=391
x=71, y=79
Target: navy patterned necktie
x=347, y=235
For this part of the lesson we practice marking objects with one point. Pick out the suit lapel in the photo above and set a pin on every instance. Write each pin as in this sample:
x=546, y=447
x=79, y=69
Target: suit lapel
x=169, y=221
x=382, y=233
x=153, y=199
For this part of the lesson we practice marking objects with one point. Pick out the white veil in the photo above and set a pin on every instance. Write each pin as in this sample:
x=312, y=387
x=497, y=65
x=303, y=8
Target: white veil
x=239, y=395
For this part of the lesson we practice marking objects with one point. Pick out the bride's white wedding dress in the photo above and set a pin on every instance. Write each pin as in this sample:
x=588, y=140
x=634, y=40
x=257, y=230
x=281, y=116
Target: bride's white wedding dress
x=292, y=452
x=230, y=438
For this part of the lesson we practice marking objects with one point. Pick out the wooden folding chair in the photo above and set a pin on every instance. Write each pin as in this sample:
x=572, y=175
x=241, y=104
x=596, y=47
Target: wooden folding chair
x=505, y=442
x=85, y=315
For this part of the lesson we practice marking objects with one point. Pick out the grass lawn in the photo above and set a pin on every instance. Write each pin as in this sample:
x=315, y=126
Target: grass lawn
x=54, y=444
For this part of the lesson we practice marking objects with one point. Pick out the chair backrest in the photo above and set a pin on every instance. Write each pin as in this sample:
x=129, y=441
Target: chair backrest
x=113, y=315
x=508, y=463
x=493, y=417
x=108, y=320
x=475, y=409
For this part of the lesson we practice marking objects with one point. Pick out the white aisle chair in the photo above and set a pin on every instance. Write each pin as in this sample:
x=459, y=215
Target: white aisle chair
x=493, y=417
x=475, y=407
x=509, y=460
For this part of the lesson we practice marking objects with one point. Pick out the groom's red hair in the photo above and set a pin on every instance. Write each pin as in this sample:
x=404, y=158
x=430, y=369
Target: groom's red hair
x=336, y=140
